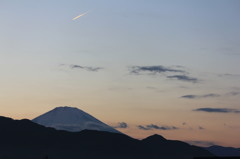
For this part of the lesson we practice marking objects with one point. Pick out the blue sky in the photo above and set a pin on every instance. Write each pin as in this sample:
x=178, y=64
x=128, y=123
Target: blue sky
x=139, y=62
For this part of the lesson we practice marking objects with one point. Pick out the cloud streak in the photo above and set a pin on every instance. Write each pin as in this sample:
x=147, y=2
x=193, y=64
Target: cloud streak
x=217, y=110
x=168, y=72
x=156, y=127
x=87, y=68
x=153, y=69
x=121, y=125
x=210, y=95
x=201, y=128
x=184, y=78
x=191, y=96
x=233, y=93
x=75, y=18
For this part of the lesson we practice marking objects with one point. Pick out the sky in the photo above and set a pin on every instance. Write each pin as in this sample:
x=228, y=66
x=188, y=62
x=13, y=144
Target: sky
x=168, y=67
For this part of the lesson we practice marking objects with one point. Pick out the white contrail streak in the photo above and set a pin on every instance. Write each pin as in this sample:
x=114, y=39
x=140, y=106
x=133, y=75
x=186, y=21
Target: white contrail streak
x=80, y=16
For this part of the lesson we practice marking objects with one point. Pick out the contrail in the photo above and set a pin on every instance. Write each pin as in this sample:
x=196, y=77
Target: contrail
x=80, y=16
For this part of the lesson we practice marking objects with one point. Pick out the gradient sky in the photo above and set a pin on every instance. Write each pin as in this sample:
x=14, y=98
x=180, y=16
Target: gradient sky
x=169, y=67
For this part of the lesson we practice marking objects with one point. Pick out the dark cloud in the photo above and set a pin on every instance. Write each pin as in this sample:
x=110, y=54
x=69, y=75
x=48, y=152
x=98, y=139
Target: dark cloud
x=87, y=68
x=233, y=93
x=201, y=143
x=153, y=69
x=169, y=72
x=210, y=95
x=217, y=110
x=152, y=126
x=121, y=125
x=143, y=128
x=201, y=128
x=191, y=96
x=184, y=78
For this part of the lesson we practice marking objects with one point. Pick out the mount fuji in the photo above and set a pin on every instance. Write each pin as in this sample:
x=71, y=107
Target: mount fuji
x=71, y=119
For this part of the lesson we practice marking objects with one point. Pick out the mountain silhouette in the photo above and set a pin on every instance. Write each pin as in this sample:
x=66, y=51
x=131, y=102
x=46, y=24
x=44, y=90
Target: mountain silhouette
x=224, y=151
x=27, y=140
x=159, y=146
x=72, y=119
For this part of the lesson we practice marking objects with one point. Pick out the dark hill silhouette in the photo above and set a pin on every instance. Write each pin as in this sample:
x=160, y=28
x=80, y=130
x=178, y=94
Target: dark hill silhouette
x=217, y=158
x=171, y=148
x=224, y=151
x=28, y=140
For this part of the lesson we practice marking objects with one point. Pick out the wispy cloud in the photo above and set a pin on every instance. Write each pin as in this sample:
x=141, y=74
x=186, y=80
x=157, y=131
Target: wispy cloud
x=156, y=127
x=233, y=93
x=153, y=69
x=174, y=72
x=210, y=95
x=87, y=68
x=217, y=110
x=143, y=127
x=184, y=78
x=191, y=96
x=122, y=125
x=79, y=16
x=201, y=128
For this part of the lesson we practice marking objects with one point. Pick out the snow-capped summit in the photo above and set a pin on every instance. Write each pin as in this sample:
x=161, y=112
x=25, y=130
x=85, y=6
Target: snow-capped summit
x=71, y=119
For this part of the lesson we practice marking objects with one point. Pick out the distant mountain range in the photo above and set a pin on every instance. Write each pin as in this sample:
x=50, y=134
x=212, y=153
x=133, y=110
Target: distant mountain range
x=24, y=139
x=72, y=119
x=224, y=151
x=67, y=132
